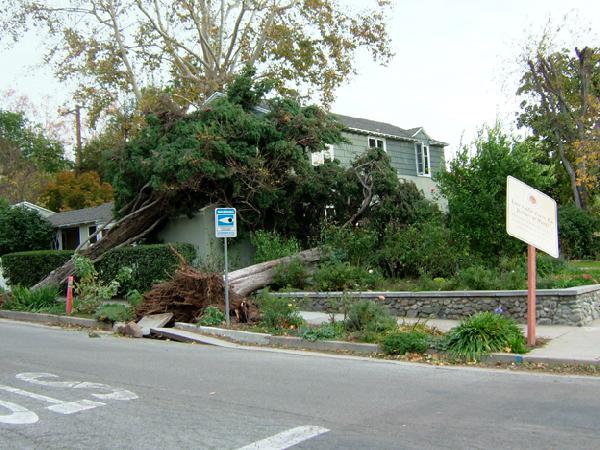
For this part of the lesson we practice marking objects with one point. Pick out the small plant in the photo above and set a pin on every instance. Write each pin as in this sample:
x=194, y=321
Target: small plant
x=92, y=292
x=342, y=276
x=401, y=343
x=212, y=317
x=24, y=299
x=484, y=333
x=134, y=298
x=270, y=245
x=367, y=316
x=325, y=331
x=114, y=313
x=292, y=274
x=278, y=313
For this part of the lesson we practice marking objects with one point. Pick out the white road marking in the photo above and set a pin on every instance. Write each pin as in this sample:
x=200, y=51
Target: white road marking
x=19, y=415
x=59, y=406
x=115, y=394
x=286, y=439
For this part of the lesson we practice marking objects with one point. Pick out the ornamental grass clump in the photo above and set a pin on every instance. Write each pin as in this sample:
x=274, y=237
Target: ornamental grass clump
x=24, y=299
x=484, y=333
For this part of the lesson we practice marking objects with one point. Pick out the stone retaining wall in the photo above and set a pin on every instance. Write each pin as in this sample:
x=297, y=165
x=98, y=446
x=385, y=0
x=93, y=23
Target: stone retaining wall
x=573, y=306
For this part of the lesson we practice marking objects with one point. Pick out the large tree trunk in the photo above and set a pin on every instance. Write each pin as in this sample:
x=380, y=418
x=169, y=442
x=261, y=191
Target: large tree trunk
x=127, y=230
x=247, y=280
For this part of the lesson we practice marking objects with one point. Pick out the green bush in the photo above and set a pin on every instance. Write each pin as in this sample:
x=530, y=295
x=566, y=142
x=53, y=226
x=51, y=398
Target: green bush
x=484, y=333
x=27, y=268
x=212, y=317
x=342, y=276
x=370, y=317
x=426, y=248
x=292, y=274
x=114, y=313
x=478, y=278
x=401, y=343
x=356, y=246
x=270, y=245
x=22, y=229
x=326, y=331
x=576, y=231
x=24, y=299
x=149, y=263
x=278, y=313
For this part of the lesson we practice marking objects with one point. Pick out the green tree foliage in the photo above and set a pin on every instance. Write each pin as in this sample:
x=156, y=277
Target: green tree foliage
x=22, y=229
x=475, y=186
x=226, y=153
x=118, y=48
x=561, y=104
x=46, y=154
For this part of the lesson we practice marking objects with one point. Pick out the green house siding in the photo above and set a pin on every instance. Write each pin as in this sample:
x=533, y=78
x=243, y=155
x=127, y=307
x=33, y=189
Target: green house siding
x=402, y=153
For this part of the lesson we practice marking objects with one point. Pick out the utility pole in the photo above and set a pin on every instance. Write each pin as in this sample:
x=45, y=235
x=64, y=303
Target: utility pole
x=78, y=145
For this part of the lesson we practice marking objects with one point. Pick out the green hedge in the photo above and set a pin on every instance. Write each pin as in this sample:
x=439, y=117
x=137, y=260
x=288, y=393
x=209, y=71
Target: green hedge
x=150, y=263
x=27, y=268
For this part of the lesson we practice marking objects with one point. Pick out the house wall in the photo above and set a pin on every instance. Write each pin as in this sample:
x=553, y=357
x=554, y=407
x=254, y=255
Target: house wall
x=199, y=230
x=403, y=159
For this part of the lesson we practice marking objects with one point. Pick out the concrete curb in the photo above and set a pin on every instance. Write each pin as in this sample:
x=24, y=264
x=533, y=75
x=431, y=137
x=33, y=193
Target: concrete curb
x=532, y=359
x=249, y=337
x=53, y=319
x=246, y=337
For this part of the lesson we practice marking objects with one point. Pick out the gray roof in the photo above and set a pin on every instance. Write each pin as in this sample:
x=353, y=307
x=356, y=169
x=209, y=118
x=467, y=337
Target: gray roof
x=366, y=126
x=97, y=214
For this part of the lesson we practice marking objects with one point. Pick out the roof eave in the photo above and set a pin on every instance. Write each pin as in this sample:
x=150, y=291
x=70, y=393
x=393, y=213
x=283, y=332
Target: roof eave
x=393, y=136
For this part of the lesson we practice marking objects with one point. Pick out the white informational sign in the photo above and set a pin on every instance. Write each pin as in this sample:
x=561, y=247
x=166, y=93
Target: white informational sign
x=531, y=216
x=225, y=223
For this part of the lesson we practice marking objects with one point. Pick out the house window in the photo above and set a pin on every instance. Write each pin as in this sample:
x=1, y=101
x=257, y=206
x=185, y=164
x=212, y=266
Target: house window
x=423, y=159
x=318, y=158
x=377, y=143
x=92, y=230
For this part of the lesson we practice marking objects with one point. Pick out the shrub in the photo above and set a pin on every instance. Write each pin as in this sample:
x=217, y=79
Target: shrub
x=576, y=231
x=356, y=246
x=484, y=333
x=149, y=264
x=326, y=331
x=292, y=274
x=371, y=317
x=278, y=313
x=24, y=299
x=342, y=276
x=405, y=342
x=477, y=277
x=270, y=245
x=114, y=313
x=27, y=268
x=22, y=229
x=212, y=317
x=425, y=248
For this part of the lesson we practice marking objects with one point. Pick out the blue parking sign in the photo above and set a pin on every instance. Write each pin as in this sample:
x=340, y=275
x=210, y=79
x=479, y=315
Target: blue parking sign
x=225, y=222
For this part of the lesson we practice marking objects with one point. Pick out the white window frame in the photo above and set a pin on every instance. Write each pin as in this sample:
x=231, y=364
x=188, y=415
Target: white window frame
x=376, y=139
x=423, y=155
x=328, y=153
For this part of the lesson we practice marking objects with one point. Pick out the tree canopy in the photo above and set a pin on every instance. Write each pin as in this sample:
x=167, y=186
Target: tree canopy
x=475, y=187
x=69, y=190
x=117, y=49
x=561, y=104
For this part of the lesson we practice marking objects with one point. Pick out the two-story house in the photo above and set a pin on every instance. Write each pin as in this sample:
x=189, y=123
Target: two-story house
x=413, y=154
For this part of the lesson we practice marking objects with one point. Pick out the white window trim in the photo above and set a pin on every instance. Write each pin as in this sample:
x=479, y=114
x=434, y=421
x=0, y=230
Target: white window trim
x=318, y=158
x=377, y=139
x=328, y=153
x=425, y=147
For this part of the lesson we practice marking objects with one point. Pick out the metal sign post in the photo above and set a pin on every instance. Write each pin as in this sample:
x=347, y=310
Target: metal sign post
x=531, y=216
x=226, y=227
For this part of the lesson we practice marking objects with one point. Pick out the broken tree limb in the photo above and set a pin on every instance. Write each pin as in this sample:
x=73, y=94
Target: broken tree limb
x=247, y=280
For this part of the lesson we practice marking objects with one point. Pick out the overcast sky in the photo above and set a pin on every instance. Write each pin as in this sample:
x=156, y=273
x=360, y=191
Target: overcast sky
x=455, y=66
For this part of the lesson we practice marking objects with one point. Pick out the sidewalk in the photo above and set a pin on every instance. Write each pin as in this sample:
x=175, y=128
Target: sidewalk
x=568, y=345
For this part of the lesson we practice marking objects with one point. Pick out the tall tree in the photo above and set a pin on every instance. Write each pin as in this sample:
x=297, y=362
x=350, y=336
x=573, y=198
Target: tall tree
x=117, y=48
x=561, y=104
x=69, y=190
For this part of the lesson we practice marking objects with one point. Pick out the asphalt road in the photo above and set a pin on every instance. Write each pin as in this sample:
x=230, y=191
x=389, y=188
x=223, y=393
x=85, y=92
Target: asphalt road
x=112, y=392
